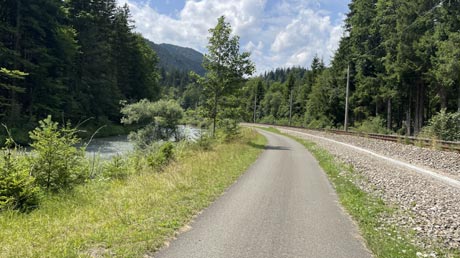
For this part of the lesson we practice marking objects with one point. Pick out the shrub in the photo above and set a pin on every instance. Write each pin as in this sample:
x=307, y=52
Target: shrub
x=196, y=118
x=320, y=123
x=205, y=142
x=443, y=126
x=267, y=120
x=228, y=129
x=17, y=187
x=160, y=158
x=161, y=119
x=373, y=125
x=56, y=162
x=116, y=168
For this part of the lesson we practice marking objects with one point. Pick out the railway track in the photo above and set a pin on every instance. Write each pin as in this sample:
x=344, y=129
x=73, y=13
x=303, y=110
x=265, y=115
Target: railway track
x=422, y=142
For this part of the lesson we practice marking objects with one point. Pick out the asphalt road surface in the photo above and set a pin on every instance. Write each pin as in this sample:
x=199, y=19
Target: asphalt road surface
x=283, y=206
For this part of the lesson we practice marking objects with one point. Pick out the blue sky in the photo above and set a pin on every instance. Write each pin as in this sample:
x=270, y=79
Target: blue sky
x=279, y=33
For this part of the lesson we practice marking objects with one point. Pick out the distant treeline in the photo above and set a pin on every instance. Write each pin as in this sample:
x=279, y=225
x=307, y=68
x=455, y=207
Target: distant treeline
x=404, y=59
x=71, y=59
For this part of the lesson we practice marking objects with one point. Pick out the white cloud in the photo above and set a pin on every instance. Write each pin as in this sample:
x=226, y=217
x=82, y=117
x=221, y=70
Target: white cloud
x=288, y=34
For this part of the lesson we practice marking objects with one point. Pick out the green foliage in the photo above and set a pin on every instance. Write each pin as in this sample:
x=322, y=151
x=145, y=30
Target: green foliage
x=228, y=129
x=196, y=118
x=443, y=126
x=56, y=164
x=175, y=60
x=205, y=142
x=225, y=67
x=74, y=59
x=117, y=167
x=404, y=65
x=9, y=87
x=319, y=123
x=161, y=120
x=17, y=188
x=129, y=218
x=446, y=65
x=162, y=157
x=372, y=125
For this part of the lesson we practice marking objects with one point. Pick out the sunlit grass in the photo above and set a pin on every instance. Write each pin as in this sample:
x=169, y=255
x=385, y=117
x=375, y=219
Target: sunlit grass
x=127, y=218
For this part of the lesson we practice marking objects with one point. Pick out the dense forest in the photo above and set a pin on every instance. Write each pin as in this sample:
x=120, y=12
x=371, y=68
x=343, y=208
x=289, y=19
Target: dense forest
x=78, y=59
x=70, y=59
x=404, y=61
x=173, y=58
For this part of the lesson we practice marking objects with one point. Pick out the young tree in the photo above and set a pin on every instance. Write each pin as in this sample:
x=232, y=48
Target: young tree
x=225, y=66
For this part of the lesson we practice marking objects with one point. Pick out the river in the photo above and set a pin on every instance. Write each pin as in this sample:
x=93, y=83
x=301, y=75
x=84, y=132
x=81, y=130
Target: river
x=111, y=146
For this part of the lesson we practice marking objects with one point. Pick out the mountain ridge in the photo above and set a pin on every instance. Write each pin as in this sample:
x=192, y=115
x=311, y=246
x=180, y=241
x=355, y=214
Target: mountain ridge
x=173, y=57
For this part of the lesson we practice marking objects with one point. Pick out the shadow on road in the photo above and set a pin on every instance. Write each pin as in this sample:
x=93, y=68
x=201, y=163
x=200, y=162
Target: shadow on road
x=267, y=147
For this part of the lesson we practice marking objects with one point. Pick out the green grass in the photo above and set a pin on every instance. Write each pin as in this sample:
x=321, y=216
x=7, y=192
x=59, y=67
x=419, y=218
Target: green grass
x=384, y=241
x=132, y=217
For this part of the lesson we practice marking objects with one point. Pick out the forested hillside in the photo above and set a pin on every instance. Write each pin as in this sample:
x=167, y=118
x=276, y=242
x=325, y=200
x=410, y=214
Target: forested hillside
x=172, y=58
x=76, y=60
x=404, y=60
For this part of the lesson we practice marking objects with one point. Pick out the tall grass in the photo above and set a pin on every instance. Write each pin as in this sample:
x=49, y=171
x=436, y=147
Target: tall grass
x=130, y=217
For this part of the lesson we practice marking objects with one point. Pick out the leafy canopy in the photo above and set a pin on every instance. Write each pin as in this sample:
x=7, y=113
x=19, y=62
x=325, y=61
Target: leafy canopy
x=225, y=66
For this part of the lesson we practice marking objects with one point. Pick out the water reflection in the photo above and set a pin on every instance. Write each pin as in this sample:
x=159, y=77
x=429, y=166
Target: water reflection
x=111, y=146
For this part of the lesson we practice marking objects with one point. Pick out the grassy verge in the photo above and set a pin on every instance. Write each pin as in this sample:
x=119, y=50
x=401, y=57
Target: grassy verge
x=127, y=218
x=383, y=240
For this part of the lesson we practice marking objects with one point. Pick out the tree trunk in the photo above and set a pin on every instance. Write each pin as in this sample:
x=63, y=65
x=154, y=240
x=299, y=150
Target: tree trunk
x=255, y=106
x=408, y=131
x=458, y=103
x=389, y=122
x=408, y=114
x=376, y=108
x=290, y=109
x=14, y=109
x=214, y=114
x=416, y=111
x=17, y=31
x=443, y=97
x=419, y=107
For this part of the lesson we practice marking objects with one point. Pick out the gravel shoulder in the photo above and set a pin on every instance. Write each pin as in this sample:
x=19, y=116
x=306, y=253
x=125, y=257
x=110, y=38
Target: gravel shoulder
x=427, y=207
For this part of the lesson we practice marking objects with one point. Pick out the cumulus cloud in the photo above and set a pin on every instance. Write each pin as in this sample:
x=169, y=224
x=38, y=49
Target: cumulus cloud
x=286, y=33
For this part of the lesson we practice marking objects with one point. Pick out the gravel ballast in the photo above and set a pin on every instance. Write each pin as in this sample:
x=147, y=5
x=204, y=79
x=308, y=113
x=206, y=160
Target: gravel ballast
x=428, y=207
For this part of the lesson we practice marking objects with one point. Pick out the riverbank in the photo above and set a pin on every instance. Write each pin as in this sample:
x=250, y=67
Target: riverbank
x=130, y=217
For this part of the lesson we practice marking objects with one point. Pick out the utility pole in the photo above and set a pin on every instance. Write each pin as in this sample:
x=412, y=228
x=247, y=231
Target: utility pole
x=290, y=109
x=346, y=99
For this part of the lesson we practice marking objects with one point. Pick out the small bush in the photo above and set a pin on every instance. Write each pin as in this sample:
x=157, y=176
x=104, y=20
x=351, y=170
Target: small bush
x=270, y=119
x=17, y=187
x=161, y=120
x=443, y=126
x=320, y=123
x=144, y=137
x=160, y=158
x=205, y=142
x=116, y=168
x=282, y=121
x=228, y=129
x=56, y=162
x=373, y=125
